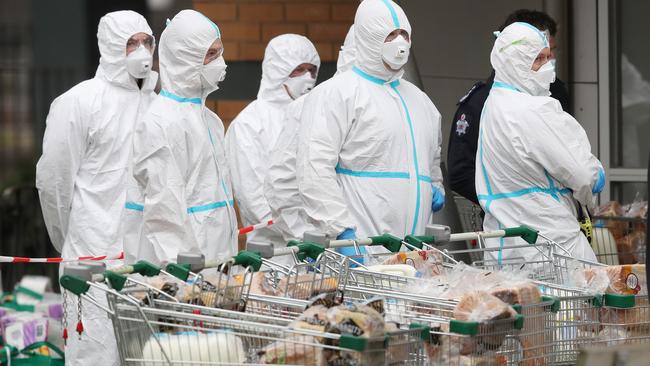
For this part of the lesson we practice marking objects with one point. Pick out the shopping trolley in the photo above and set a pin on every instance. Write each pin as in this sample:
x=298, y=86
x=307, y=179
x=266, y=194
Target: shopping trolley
x=619, y=240
x=163, y=330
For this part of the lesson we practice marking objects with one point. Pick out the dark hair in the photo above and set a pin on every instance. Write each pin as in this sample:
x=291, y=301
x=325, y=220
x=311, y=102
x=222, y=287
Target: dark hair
x=538, y=19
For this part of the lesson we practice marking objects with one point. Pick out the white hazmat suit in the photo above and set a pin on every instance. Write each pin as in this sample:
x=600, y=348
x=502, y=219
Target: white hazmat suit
x=369, y=153
x=179, y=155
x=280, y=185
x=533, y=158
x=251, y=136
x=85, y=168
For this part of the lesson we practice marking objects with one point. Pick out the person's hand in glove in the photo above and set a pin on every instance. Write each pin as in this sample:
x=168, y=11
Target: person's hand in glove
x=600, y=183
x=350, y=234
x=438, y=201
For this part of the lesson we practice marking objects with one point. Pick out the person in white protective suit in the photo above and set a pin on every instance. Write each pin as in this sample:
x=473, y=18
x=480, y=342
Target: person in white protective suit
x=179, y=157
x=86, y=165
x=289, y=70
x=533, y=158
x=280, y=185
x=368, y=161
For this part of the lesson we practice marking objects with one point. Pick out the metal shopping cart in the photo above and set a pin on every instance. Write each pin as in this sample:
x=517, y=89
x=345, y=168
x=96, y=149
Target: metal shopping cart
x=619, y=240
x=154, y=328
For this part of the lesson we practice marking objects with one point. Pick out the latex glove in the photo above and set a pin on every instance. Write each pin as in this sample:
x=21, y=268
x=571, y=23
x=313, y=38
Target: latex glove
x=600, y=183
x=350, y=234
x=347, y=234
x=438, y=201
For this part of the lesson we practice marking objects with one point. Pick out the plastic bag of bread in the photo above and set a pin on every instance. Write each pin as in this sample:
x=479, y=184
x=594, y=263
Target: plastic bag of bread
x=356, y=320
x=627, y=279
x=294, y=350
x=297, y=286
x=523, y=293
x=426, y=262
x=609, y=209
x=313, y=318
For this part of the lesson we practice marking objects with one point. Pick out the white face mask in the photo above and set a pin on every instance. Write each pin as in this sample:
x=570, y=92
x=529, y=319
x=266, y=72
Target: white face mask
x=138, y=62
x=396, y=52
x=541, y=79
x=300, y=85
x=212, y=74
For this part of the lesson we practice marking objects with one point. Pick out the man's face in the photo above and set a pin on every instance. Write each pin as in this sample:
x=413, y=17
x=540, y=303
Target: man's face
x=304, y=68
x=140, y=39
x=543, y=57
x=214, y=52
x=397, y=32
x=552, y=45
x=391, y=36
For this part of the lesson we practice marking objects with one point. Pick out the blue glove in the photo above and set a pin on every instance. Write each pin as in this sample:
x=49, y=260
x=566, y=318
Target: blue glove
x=438, y=201
x=347, y=234
x=600, y=183
x=350, y=234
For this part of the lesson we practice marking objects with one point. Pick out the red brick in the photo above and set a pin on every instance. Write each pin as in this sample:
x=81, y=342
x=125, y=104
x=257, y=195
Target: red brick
x=325, y=51
x=231, y=51
x=344, y=12
x=251, y=51
x=217, y=12
x=240, y=31
x=334, y=32
x=307, y=12
x=261, y=12
x=229, y=109
x=275, y=29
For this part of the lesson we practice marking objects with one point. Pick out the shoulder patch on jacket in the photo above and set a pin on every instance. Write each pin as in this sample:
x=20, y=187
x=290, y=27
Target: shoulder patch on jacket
x=478, y=85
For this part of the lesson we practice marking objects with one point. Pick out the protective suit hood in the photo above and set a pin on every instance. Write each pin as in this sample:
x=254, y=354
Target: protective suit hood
x=183, y=45
x=282, y=55
x=347, y=54
x=374, y=21
x=514, y=53
x=113, y=32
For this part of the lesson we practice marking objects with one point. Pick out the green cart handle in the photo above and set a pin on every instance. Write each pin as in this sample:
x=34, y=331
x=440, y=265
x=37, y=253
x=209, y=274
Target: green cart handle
x=306, y=249
x=388, y=241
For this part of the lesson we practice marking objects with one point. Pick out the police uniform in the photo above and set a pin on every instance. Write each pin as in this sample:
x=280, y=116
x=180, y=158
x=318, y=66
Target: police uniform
x=463, y=139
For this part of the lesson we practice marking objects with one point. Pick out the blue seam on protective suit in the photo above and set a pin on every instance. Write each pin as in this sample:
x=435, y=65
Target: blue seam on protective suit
x=368, y=77
x=502, y=85
x=388, y=175
x=415, y=158
x=216, y=28
x=542, y=35
x=552, y=190
x=172, y=96
x=209, y=206
x=551, y=186
x=134, y=206
x=501, y=245
x=393, y=14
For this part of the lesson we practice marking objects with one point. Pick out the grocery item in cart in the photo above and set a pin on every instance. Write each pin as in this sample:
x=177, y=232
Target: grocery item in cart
x=356, y=320
x=295, y=350
x=427, y=262
x=628, y=279
x=480, y=306
x=523, y=293
x=297, y=286
x=199, y=347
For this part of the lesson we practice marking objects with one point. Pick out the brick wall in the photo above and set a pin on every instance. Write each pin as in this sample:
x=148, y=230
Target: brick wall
x=248, y=25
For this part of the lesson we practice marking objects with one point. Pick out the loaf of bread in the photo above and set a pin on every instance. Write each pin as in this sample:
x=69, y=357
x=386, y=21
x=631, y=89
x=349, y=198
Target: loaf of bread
x=519, y=294
x=297, y=286
x=294, y=350
x=480, y=306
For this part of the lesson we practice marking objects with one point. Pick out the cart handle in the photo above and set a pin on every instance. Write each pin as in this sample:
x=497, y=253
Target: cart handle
x=306, y=249
x=243, y=258
x=388, y=241
x=524, y=232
